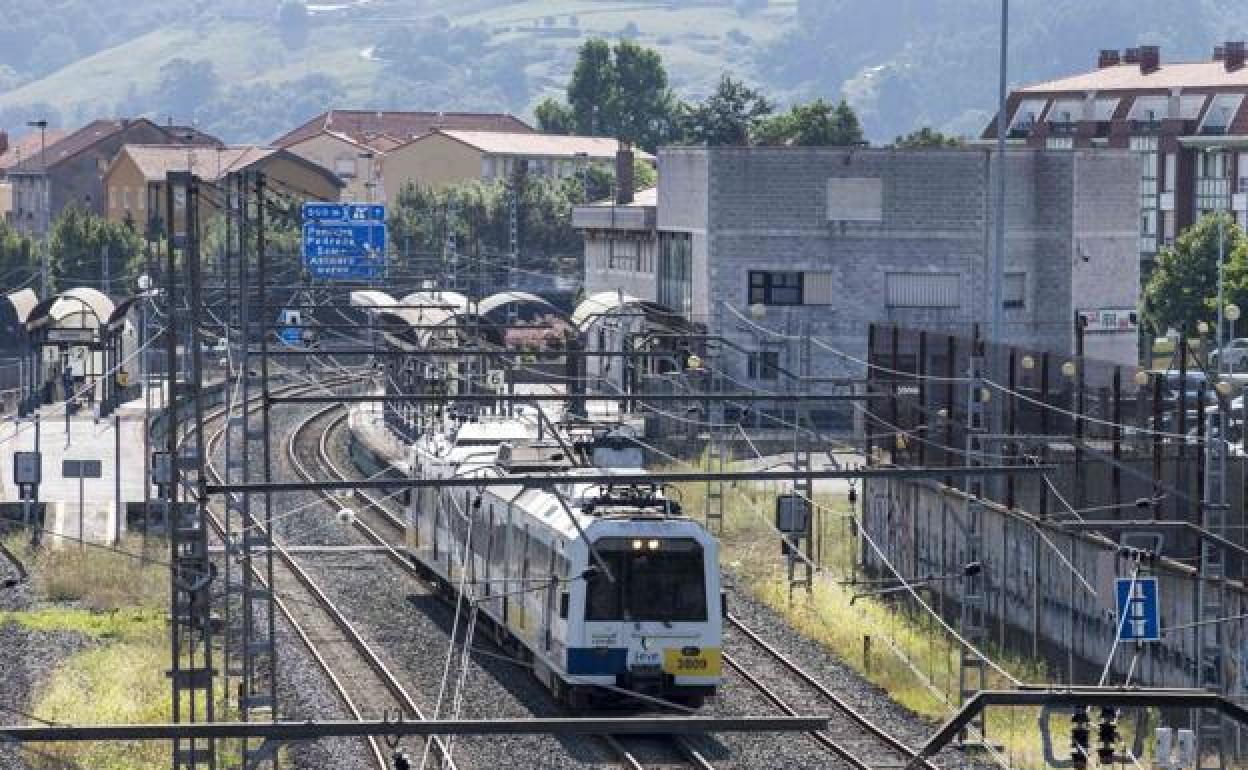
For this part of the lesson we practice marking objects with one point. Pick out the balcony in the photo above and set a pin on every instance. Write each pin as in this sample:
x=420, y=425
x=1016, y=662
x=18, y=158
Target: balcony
x=1144, y=126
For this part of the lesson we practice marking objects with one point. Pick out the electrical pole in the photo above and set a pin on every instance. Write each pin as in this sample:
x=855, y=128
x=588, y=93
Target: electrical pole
x=996, y=337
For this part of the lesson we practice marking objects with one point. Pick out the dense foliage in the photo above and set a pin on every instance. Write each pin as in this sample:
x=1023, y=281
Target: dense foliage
x=1183, y=286
x=86, y=248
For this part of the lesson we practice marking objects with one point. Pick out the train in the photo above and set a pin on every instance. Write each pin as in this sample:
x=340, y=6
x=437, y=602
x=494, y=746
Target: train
x=609, y=591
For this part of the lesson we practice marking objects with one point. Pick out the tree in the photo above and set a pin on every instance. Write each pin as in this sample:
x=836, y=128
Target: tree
x=926, y=137
x=728, y=117
x=1183, y=287
x=554, y=117
x=293, y=23
x=621, y=92
x=818, y=124
x=82, y=240
x=17, y=263
x=184, y=85
x=591, y=91
x=642, y=104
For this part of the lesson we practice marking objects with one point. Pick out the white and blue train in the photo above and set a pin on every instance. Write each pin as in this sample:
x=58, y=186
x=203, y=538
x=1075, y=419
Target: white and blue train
x=654, y=626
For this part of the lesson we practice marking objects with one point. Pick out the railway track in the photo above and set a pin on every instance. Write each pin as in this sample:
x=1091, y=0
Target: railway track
x=357, y=674
x=851, y=735
x=375, y=516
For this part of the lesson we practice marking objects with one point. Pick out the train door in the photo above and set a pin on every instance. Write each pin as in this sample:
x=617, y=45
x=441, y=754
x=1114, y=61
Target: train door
x=548, y=607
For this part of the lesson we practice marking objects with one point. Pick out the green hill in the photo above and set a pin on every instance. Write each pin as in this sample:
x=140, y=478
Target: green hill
x=248, y=69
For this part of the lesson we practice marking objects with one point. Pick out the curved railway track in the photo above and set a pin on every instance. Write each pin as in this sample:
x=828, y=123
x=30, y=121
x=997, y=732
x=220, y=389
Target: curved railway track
x=357, y=674
x=376, y=515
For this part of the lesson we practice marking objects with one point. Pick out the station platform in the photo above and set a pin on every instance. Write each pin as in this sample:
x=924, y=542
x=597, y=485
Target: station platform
x=79, y=508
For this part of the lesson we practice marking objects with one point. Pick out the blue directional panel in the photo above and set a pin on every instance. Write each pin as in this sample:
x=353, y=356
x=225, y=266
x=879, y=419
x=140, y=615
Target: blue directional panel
x=344, y=241
x=1139, y=615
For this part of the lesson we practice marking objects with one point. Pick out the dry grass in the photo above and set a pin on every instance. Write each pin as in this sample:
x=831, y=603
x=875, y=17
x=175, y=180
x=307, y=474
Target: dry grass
x=913, y=659
x=98, y=578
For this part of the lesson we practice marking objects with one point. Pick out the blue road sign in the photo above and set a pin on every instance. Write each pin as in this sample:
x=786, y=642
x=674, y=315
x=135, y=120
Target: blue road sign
x=345, y=251
x=1139, y=615
x=344, y=212
x=345, y=241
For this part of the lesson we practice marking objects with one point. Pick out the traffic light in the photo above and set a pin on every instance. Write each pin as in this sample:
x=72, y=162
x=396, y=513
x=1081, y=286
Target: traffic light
x=1079, y=738
x=1107, y=735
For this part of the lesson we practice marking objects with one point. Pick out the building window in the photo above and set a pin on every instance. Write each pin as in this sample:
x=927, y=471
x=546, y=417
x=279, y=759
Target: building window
x=764, y=365
x=1026, y=116
x=775, y=288
x=675, y=285
x=345, y=167
x=1220, y=114
x=1150, y=160
x=623, y=255
x=114, y=199
x=1015, y=295
x=923, y=290
x=1213, y=183
x=1147, y=112
x=1059, y=143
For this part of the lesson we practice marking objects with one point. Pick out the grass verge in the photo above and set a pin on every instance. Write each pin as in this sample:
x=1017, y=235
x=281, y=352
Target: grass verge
x=912, y=658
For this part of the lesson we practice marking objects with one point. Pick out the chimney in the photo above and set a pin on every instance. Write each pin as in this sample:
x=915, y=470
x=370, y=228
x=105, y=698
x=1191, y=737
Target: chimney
x=1234, y=59
x=4, y=142
x=1219, y=53
x=1110, y=57
x=1150, y=58
x=624, y=178
x=1131, y=56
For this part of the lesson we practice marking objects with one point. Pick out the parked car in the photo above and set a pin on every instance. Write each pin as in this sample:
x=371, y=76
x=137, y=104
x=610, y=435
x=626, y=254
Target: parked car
x=1236, y=352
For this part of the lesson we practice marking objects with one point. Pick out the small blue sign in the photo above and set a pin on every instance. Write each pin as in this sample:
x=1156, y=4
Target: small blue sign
x=291, y=335
x=344, y=212
x=1139, y=614
x=324, y=212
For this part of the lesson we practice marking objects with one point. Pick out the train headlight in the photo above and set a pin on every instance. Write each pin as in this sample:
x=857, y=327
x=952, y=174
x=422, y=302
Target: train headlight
x=654, y=545
x=637, y=545
x=346, y=517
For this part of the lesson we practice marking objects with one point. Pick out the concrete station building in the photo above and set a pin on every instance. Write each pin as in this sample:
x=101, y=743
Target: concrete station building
x=765, y=245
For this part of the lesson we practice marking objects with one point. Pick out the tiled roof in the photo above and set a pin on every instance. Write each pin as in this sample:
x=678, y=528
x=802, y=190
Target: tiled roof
x=1128, y=77
x=28, y=146
x=210, y=163
x=366, y=126
x=540, y=145
x=99, y=130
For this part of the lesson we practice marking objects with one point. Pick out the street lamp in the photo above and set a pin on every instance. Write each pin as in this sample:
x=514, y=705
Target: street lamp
x=1217, y=152
x=42, y=125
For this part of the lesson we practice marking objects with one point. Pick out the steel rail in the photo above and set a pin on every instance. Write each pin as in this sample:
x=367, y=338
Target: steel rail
x=820, y=737
x=375, y=748
x=867, y=725
x=626, y=757
x=389, y=680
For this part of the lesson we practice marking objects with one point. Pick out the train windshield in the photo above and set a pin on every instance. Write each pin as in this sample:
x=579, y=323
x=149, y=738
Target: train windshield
x=659, y=579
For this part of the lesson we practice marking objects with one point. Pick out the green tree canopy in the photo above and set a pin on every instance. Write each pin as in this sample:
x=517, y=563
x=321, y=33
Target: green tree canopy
x=17, y=261
x=78, y=244
x=818, y=124
x=554, y=117
x=926, y=137
x=1183, y=287
x=730, y=116
x=621, y=92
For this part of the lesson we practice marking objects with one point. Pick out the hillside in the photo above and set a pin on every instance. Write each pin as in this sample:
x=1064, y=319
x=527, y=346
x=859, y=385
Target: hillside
x=247, y=70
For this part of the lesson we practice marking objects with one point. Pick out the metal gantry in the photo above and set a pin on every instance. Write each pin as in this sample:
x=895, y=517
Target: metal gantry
x=972, y=670
x=1211, y=595
x=191, y=672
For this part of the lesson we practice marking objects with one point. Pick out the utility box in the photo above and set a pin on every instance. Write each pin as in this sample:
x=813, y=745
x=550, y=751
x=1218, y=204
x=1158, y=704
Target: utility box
x=792, y=514
x=27, y=468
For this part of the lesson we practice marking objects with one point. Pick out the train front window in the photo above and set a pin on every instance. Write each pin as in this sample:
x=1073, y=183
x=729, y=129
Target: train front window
x=659, y=580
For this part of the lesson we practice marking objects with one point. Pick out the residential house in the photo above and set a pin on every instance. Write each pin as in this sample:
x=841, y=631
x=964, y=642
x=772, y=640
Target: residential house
x=71, y=170
x=134, y=183
x=1186, y=121
x=354, y=144
x=449, y=156
x=12, y=151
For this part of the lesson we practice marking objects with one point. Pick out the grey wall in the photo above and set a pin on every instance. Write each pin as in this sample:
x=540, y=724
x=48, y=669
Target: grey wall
x=767, y=208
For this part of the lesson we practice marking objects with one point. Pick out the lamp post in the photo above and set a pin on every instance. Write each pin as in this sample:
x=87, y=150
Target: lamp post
x=371, y=157
x=42, y=125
